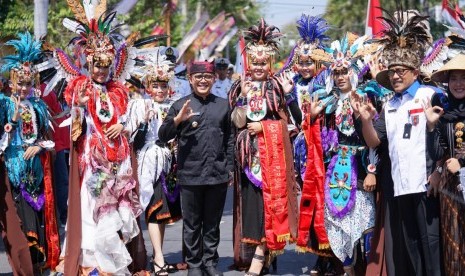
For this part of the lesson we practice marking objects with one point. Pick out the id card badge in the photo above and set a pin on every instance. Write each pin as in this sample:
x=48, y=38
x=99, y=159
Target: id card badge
x=407, y=131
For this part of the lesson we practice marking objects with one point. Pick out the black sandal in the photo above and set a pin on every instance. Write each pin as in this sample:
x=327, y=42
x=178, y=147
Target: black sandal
x=161, y=272
x=170, y=268
x=259, y=258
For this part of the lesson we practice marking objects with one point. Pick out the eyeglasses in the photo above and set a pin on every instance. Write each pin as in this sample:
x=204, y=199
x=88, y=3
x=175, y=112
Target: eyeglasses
x=207, y=77
x=399, y=71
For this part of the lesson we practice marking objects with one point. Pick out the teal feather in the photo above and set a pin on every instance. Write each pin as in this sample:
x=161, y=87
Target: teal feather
x=27, y=50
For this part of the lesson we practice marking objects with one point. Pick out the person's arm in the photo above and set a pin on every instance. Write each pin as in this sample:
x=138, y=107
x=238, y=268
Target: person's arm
x=295, y=112
x=373, y=132
x=436, y=142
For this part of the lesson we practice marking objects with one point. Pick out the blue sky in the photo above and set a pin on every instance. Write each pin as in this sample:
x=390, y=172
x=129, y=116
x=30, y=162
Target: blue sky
x=279, y=13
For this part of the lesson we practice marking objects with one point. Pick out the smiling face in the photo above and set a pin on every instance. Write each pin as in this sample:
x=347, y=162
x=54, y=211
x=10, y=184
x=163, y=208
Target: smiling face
x=158, y=90
x=23, y=88
x=202, y=83
x=100, y=73
x=457, y=84
x=305, y=68
x=342, y=79
x=402, y=77
x=259, y=70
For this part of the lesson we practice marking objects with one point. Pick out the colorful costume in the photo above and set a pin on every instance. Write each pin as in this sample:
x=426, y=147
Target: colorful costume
x=307, y=145
x=265, y=193
x=349, y=209
x=156, y=170
x=103, y=200
x=30, y=180
x=446, y=141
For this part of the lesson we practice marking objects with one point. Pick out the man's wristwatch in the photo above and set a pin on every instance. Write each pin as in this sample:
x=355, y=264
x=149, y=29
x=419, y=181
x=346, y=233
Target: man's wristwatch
x=371, y=168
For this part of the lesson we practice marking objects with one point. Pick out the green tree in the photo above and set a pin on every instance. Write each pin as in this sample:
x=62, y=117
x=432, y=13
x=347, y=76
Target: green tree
x=350, y=15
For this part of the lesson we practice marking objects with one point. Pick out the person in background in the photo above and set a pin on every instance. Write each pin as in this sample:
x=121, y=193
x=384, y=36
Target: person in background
x=156, y=165
x=223, y=83
x=180, y=85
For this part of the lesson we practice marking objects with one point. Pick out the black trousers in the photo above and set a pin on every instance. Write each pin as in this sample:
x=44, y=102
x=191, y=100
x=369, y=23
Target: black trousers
x=412, y=235
x=202, y=208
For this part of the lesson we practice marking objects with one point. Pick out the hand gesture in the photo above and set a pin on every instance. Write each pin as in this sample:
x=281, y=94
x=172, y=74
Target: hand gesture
x=366, y=110
x=184, y=114
x=114, y=131
x=149, y=114
x=432, y=113
x=17, y=101
x=356, y=100
x=375, y=65
x=254, y=128
x=246, y=85
x=316, y=106
x=82, y=97
x=286, y=82
x=31, y=152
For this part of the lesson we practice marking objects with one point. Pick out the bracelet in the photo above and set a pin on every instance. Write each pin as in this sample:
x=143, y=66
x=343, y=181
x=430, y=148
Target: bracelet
x=241, y=101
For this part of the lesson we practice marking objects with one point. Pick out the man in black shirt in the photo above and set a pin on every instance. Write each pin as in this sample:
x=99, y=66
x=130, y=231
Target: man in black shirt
x=201, y=124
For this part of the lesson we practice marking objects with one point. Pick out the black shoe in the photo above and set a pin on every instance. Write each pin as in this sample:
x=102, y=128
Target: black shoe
x=212, y=271
x=195, y=271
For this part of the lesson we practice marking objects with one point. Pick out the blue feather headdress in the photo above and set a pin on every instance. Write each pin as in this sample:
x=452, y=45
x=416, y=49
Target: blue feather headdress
x=28, y=51
x=312, y=31
x=21, y=64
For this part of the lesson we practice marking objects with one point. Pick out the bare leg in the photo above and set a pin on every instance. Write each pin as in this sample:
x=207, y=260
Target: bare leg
x=157, y=232
x=258, y=261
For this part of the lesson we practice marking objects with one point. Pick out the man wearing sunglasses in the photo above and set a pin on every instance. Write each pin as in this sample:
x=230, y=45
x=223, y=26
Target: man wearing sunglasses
x=200, y=122
x=412, y=237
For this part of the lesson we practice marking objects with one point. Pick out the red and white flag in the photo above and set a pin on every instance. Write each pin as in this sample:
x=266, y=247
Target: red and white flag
x=451, y=16
x=373, y=24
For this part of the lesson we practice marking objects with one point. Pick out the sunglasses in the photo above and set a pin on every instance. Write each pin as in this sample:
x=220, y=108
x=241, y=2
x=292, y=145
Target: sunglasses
x=207, y=77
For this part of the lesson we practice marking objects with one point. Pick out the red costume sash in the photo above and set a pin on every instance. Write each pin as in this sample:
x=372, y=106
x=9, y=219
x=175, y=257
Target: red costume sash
x=312, y=200
x=273, y=165
x=51, y=229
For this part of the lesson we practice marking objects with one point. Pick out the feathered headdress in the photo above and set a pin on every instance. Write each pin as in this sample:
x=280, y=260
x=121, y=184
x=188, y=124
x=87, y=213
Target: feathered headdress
x=445, y=49
x=262, y=44
x=347, y=53
x=97, y=43
x=21, y=66
x=312, y=32
x=158, y=66
x=405, y=39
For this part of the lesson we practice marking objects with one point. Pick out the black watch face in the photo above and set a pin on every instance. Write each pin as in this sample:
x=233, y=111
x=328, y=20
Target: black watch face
x=441, y=100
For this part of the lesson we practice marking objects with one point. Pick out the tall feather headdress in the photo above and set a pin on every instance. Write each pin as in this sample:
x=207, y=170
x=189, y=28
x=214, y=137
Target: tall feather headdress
x=261, y=42
x=21, y=65
x=405, y=39
x=312, y=31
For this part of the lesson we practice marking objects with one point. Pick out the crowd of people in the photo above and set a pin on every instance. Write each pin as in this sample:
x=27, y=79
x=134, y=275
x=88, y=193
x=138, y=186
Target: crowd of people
x=353, y=151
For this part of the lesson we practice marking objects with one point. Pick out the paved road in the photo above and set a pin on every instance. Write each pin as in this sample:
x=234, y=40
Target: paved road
x=290, y=263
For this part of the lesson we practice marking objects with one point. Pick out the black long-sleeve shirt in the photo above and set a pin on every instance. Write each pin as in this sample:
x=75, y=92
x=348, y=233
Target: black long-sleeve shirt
x=205, y=141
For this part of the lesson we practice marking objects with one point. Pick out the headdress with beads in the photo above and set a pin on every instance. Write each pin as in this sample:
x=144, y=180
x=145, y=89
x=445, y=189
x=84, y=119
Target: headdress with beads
x=347, y=53
x=97, y=43
x=261, y=42
x=21, y=65
x=158, y=66
x=312, y=32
